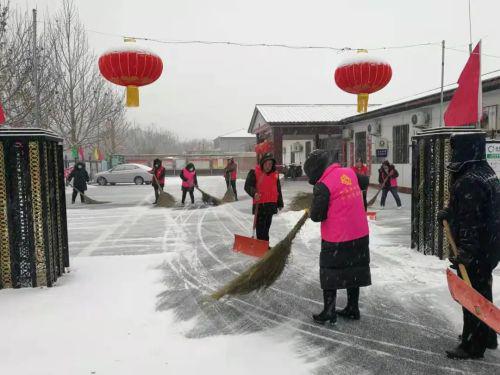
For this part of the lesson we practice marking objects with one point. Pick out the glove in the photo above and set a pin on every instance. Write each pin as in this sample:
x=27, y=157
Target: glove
x=462, y=258
x=443, y=214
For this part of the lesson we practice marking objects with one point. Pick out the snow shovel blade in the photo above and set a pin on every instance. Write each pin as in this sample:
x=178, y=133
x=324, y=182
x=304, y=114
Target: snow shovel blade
x=250, y=246
x=473, y=301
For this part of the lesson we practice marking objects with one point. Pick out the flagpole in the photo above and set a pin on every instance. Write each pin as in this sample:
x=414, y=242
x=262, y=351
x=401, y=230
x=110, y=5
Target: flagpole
x=442, y=84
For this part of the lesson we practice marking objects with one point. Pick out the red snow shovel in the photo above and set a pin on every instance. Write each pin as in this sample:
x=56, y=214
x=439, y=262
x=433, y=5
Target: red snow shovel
x=251, y=245
x=465, y=295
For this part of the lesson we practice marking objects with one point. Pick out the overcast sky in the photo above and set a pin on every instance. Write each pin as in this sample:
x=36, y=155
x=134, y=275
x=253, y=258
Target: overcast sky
x=210, y=90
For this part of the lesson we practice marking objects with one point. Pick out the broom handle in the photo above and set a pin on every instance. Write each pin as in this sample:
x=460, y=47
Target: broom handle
x=78, y=191
x=255, y=220
x=454, y=248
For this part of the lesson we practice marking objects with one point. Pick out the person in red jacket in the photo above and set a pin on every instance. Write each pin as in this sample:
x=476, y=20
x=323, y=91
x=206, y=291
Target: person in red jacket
x=158, y=181
x=360, y=168
x=263, y=185
x=231, y=174
x=361, y=171
x=189, y=181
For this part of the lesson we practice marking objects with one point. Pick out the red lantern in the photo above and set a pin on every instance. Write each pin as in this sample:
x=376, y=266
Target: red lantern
x=363, y=75
x=131, y=67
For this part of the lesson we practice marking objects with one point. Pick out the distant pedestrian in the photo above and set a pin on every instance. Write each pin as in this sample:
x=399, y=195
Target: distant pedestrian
x=360, y=168
x=81, y=177
x=231, y=174
x=361, y=171
x=388, y=178
x=189, y=181
x=263, y=185
x=158, y=181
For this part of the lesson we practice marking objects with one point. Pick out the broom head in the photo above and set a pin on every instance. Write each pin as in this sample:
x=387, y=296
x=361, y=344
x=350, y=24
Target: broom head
x=301, y=201
x=267, y=270
x=165, y=199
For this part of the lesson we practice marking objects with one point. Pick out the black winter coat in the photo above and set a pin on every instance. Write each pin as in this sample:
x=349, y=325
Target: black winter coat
x=80, y=177
x=265, y=208
x=341, y=264
x=474, y=212
x=382, y=176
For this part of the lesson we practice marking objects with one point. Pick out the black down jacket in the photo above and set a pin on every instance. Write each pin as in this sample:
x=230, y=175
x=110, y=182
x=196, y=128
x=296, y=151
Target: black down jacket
x=79, y=176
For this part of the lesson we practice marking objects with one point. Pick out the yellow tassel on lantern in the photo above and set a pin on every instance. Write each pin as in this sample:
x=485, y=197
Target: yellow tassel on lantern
x=132, y=96
x=362, y=103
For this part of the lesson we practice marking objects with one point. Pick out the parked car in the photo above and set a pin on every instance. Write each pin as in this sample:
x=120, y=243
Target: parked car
x=126, y=174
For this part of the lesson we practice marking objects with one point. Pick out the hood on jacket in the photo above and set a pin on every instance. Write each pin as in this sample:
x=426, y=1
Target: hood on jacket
x=157, y=161
x=190, y=167
x=82, y=165
x=316, y=164
x=266, y=157
x=466, y=149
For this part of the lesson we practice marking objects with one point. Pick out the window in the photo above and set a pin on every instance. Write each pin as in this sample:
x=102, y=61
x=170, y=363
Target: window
x=360, y=146
x=489, y=119
x=121, y=167
x=400, y=139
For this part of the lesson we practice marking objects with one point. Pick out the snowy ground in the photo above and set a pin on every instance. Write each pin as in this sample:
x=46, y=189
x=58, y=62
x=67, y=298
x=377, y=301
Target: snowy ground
x=135, y=299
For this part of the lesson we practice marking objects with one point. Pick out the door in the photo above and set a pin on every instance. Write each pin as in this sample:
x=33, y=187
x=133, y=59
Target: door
x=308, y=148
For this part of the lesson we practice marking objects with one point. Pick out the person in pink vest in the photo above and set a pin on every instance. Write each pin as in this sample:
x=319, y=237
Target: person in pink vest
x=189, y=181
x=388, y=178
x=345, y=255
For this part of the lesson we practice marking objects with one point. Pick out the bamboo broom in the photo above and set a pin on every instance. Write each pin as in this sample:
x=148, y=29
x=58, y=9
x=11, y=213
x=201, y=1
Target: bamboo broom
x=263, y=273
x=164, y=199
x=301, y=201
x=86, y=198
x=209, y=199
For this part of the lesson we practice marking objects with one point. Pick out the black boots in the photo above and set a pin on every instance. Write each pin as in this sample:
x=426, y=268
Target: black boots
x=351, y=311
x=328, y=314
x=460, y=353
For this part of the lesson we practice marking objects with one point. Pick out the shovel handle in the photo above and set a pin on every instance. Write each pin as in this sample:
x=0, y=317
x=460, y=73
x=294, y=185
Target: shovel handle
x=454, y=248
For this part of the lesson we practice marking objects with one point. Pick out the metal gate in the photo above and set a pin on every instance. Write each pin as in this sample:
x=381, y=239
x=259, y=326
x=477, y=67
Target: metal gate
x=33, y=230
x=431, y=188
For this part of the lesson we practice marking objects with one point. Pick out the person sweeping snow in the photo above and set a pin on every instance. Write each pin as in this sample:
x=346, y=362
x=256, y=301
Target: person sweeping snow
x=388, y=177
x=158, y=181
x=81, y=177
x=189, y=181
x=474, y=217
x=231, y=174
x=263, y=185
x=361, y=171
x=345, y=256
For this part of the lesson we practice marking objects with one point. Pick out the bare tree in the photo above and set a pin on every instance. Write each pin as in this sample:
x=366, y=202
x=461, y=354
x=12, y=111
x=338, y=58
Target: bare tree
x=16, y=68
x=85, y=101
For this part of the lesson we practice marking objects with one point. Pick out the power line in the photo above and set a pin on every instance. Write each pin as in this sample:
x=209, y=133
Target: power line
x=436, y=88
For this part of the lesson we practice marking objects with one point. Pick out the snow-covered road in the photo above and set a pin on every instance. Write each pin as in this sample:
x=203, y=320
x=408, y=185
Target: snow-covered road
x=135, y=299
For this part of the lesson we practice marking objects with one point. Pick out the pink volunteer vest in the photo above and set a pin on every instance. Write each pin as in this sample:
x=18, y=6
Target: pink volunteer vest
x=346, y=219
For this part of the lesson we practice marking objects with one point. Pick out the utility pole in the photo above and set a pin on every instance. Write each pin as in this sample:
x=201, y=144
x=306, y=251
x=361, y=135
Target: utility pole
x=35, y=74
x=442, y=84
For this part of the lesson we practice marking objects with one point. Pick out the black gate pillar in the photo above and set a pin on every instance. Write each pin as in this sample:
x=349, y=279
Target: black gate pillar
x=33, y=229
x=431, y=153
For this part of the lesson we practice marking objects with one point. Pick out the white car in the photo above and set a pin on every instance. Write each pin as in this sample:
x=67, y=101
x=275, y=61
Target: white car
x=125, y=174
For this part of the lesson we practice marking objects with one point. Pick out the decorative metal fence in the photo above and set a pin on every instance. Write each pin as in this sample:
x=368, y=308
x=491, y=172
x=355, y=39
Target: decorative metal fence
x=431, y=188
x=33, y=229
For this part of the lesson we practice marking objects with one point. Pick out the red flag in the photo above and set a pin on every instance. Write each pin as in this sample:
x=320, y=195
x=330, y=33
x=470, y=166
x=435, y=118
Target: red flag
x=2, y=115
x=466, y=105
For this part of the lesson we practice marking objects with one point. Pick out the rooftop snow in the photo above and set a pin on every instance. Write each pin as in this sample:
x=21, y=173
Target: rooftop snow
x=305, y=112
x=240, y=133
